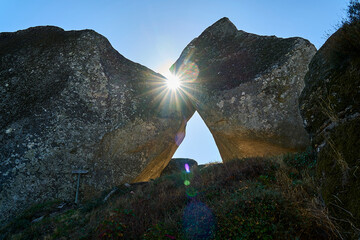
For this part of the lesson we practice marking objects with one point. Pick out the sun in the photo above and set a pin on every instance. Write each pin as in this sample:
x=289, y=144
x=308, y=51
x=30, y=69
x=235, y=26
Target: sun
x=173, y=82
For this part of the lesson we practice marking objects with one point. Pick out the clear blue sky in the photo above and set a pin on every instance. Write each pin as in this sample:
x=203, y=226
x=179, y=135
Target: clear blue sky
x=153, y=33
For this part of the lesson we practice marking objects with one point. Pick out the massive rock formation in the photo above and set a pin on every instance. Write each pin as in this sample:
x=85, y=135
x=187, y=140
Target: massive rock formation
x=70, y=101
x=330, y=106
x=246, y=89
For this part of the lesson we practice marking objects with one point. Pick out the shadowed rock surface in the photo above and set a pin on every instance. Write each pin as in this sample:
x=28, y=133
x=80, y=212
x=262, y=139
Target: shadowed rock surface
x=246, y=89
x=70, y=101
x=330, y=106
x=178, y=165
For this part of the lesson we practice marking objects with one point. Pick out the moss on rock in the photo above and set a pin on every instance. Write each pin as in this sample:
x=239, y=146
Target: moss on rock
x=330, y=106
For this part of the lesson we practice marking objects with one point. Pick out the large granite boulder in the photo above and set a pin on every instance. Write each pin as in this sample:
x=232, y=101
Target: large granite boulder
x=246, y=89
x=330, y=106
x=70, y=101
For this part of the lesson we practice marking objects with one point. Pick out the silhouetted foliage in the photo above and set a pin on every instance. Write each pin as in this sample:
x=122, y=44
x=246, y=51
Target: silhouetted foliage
x=343, y=46
x=353, y=12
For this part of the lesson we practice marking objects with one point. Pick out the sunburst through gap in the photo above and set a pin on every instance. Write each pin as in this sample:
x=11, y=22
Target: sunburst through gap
x=173, y=90
x=173, y=82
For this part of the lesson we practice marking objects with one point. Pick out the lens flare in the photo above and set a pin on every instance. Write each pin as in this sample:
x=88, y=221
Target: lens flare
x=175, y=92
x=179, y=137
x=191, y=192
x=198, y=221
x=187, y=168
x=173, y=82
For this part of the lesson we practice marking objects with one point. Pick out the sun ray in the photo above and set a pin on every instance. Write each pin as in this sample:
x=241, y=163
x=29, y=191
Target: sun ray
x=173, y=82
x=174, y=91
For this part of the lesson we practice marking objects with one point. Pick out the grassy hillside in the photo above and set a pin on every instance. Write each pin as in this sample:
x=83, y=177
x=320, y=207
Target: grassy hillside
x=243, y=199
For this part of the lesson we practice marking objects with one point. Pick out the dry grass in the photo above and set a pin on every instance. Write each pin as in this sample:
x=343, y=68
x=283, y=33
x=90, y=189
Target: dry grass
x=328, y=109
x=248, y=198
x=307, y=200
x=339, y=160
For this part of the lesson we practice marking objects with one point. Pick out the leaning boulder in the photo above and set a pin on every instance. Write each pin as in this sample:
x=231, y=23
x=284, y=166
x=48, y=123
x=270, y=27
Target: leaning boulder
x=246, y=89
x=69, y=101
x=330, y=106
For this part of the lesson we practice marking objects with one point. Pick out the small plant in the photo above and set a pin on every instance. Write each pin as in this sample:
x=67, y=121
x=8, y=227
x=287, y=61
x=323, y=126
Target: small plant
x=113, y=227
x=303, y=160
x=340, y=161
x=159, y=231
x=328, y=109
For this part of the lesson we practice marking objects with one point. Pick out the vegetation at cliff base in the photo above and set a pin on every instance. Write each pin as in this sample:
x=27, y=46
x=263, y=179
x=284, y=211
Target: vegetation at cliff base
x=273, y=198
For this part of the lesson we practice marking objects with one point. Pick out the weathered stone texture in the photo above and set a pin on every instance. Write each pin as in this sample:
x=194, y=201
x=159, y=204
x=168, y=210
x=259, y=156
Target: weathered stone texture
x=246, y=88
x=70, y=101
x=330, y=106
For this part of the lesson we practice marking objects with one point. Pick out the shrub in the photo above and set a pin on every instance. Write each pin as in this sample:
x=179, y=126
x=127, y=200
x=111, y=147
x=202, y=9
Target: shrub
x=353, y=12
x=301, y=161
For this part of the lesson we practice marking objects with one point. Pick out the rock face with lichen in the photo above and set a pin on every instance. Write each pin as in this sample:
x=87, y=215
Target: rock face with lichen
x=330, y=106
x=246, y=89
x=70, y=101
